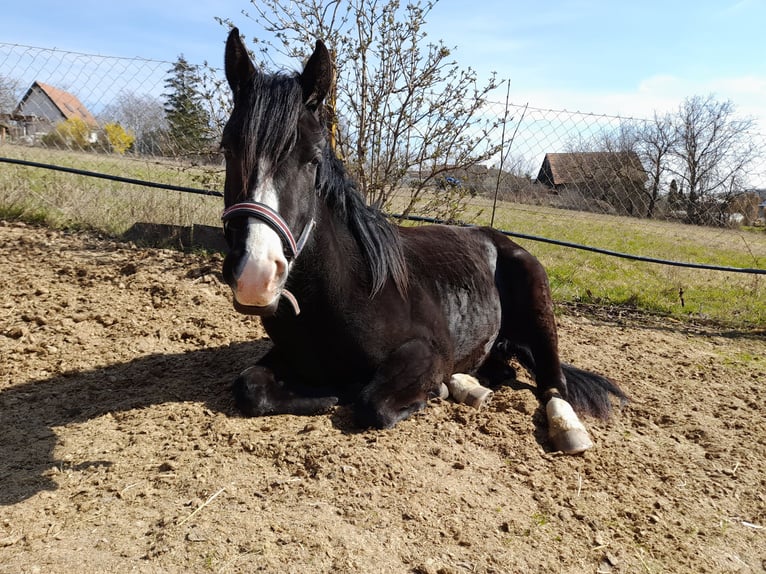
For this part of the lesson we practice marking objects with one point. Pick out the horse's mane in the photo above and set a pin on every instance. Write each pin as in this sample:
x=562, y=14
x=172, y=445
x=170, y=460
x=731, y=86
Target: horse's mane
x=378, y=239
x=276, y=105
x=273, y=107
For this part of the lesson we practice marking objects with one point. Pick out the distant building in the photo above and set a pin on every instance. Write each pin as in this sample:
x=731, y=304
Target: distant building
x=615, y=179
x=44, y=106
x=590, y=169
x=761, y=205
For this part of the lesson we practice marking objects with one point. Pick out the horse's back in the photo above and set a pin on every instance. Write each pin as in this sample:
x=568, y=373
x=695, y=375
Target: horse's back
x=463, y=253
x=446, y=251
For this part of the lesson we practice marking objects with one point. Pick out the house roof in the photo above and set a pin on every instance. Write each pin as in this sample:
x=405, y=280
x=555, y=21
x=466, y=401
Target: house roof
x=586, y=167
x=68, y=104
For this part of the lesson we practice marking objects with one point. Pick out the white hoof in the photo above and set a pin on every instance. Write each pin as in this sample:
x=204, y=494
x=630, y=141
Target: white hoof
x=466, y=389
x=565, y=430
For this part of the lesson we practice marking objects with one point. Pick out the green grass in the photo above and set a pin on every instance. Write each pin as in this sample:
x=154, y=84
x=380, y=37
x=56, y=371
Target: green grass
x=577, y=276
x=731, y=299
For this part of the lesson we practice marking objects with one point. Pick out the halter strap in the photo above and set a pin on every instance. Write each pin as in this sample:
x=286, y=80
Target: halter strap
x=271, y=218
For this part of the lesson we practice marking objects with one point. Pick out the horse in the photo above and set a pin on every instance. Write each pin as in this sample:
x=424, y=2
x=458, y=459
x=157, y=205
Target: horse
x=362, y=311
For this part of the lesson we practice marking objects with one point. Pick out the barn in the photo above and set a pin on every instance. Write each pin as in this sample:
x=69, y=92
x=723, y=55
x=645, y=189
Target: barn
x=44, y=106
x=615, y=181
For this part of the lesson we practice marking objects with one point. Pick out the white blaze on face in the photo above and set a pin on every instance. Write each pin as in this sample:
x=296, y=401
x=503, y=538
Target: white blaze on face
x=264, y=269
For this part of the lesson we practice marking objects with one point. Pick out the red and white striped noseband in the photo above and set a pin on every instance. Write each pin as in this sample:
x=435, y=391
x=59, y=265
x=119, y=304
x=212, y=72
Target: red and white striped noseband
x=274, y=221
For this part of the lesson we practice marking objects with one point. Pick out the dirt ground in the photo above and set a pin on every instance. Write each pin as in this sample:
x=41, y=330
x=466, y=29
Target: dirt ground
x=120, y=449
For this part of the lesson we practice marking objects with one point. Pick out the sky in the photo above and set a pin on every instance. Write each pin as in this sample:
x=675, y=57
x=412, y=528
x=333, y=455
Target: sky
x=598, y=56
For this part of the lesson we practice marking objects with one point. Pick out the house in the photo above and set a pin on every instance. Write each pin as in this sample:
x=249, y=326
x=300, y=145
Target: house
x=43, y=107
x=615, y=181
x=761, y=215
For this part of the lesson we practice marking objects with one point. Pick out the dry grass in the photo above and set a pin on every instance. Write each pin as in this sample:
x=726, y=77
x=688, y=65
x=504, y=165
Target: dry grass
x=66, y=200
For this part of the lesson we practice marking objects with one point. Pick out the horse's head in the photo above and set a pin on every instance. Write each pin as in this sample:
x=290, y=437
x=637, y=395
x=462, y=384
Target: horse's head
x=272, y=143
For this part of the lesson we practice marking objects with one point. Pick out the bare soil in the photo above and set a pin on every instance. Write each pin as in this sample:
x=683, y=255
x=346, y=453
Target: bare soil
x=120, y=449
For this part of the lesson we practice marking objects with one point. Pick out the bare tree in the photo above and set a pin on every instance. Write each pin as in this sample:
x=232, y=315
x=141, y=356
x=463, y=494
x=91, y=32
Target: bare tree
x=705, y=147
x=216, y=99
x=406, y=111
x=143, y=116
x=10, y=93
x=655, y=142
x=713, y=151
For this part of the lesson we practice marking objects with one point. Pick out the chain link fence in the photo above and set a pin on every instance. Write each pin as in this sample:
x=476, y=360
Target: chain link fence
x=577, y=177
x=632, y=166
x=132, y=108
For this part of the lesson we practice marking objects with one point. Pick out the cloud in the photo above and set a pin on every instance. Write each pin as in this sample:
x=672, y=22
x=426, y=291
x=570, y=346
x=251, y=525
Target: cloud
x=660, y=93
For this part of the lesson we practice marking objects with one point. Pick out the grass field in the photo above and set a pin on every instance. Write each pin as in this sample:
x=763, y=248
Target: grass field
x=66, y=200
x=731, y=299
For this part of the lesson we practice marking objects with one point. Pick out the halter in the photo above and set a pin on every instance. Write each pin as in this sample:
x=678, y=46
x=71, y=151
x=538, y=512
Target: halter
x=271, y=218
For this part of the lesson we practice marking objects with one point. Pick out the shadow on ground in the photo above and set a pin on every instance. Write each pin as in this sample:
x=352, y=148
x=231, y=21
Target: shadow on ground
x=30, y=412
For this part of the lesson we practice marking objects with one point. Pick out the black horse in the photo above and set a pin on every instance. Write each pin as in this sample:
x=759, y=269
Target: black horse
x=360, y=310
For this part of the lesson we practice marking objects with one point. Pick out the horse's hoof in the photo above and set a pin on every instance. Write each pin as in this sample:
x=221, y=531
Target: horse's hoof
x=572, y=441
x=467, y=390
x=565, y=430
x=478, y=397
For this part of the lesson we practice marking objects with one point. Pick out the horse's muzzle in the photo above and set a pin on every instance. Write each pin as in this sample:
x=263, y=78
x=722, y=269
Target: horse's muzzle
x=256, y=281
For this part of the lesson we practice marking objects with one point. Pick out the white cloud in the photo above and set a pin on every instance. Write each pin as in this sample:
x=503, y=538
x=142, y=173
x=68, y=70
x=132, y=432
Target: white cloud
x=661, y=93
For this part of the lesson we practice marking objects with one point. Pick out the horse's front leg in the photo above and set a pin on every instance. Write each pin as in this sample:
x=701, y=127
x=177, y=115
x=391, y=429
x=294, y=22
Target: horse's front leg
x=259, y=391
x=407, y=378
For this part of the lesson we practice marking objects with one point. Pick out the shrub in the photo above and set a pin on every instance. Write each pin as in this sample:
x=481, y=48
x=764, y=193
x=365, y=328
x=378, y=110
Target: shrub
x=119, y=139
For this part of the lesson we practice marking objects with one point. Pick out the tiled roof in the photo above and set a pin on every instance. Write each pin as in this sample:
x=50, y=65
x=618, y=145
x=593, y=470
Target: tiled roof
x=68, y=104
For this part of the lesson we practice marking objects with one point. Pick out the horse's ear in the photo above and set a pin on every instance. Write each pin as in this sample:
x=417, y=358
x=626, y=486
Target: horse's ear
x=316, y=77
x=239, y=67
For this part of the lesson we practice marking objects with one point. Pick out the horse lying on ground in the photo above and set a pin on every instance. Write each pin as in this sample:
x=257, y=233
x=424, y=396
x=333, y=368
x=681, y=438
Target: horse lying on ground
x=360, y=310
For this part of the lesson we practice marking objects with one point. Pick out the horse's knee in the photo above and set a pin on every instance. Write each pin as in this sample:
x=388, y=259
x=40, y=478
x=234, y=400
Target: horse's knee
x=401, y=386
x=253, y=391
x=384, y=416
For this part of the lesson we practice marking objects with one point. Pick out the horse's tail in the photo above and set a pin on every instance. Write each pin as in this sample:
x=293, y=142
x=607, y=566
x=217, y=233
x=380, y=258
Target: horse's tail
x=591, y=394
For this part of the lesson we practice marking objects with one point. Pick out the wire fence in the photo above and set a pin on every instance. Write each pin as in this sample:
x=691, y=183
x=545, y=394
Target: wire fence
x=607, y=182
x=136, y=108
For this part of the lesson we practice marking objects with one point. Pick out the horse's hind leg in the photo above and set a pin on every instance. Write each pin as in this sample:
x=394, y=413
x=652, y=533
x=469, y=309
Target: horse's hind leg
x=258, y=391
x=529, y=327
x=408, y=377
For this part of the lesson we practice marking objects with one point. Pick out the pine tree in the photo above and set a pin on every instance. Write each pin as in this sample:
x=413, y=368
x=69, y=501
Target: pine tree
x=188, y=121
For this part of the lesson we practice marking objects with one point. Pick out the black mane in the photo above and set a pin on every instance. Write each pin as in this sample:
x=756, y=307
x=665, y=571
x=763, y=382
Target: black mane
x=378, y=239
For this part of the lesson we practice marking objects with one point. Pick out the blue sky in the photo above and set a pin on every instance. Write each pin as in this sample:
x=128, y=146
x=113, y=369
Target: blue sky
x=606, y=57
